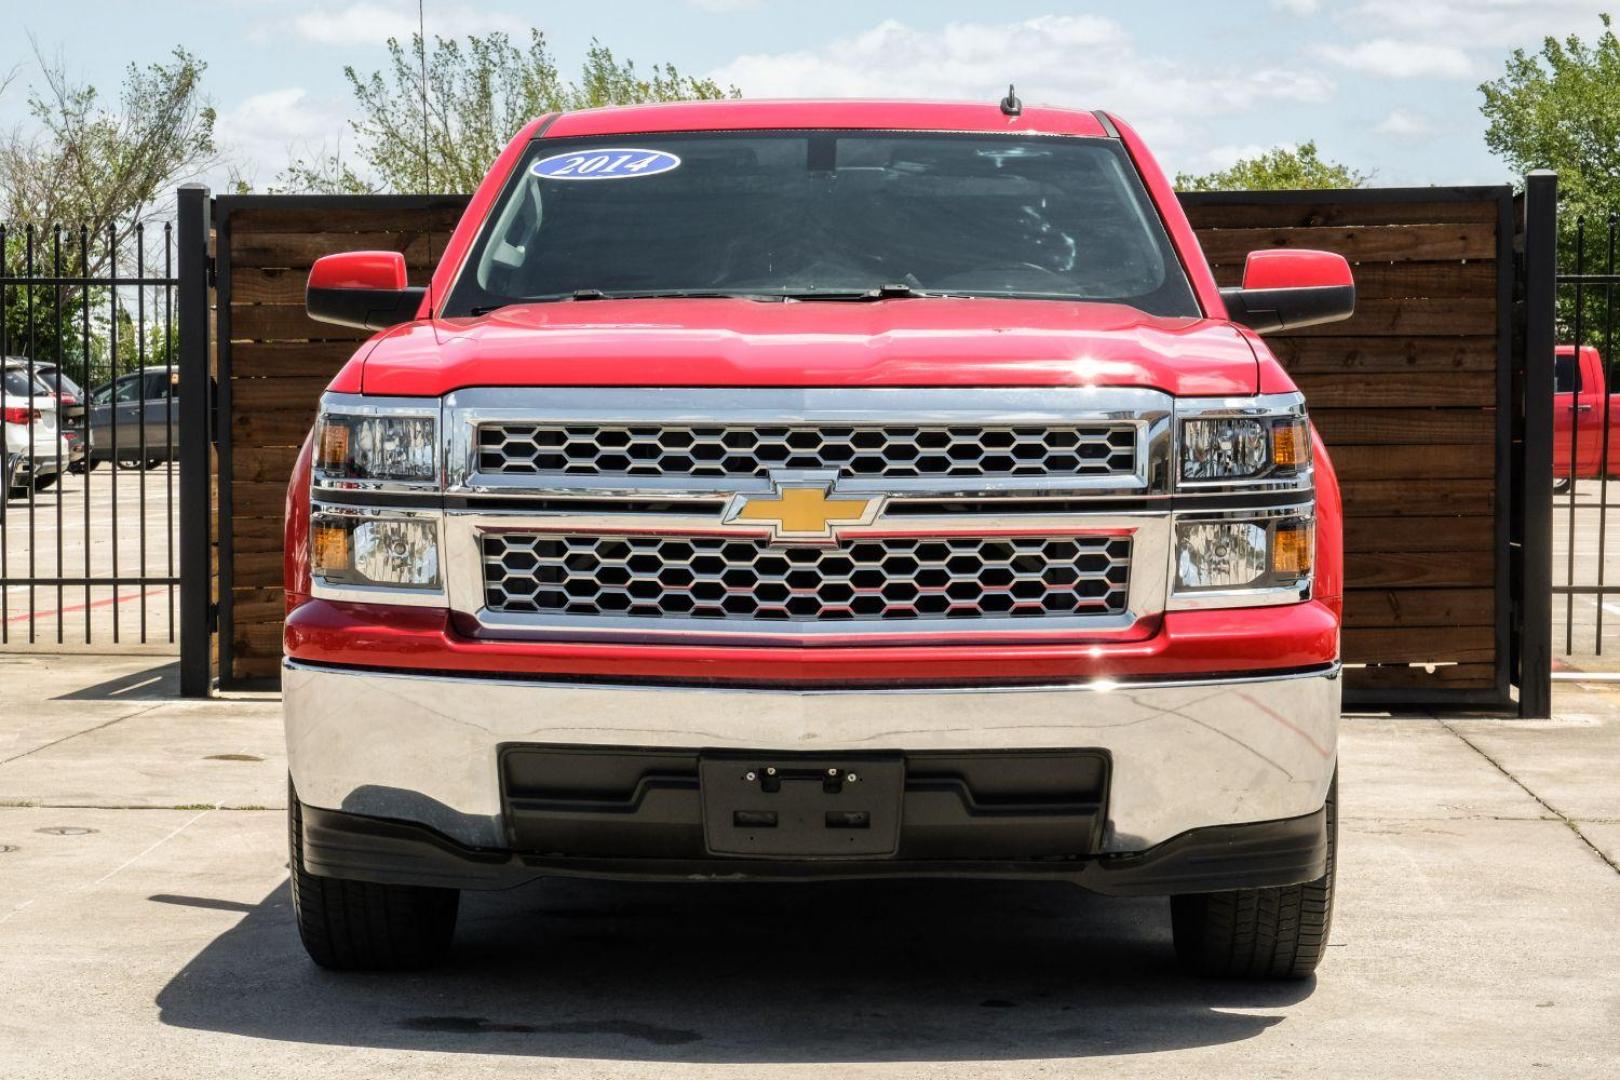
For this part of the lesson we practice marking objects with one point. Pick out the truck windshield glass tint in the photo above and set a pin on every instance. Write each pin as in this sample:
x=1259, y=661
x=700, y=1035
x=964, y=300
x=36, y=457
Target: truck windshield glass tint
x=773, y=214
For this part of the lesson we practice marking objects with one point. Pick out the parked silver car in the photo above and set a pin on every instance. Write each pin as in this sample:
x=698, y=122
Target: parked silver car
x=36, y=454
x=120, y=409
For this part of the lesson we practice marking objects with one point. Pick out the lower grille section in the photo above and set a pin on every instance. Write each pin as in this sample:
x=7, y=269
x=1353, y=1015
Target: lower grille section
x=884, y=580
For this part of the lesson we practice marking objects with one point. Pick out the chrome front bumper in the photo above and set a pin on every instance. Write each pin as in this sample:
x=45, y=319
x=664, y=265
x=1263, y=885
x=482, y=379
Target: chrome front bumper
x=1186, y=754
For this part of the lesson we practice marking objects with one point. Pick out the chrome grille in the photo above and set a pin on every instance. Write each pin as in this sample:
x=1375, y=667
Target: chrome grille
x=745, y=450
x=887, y=580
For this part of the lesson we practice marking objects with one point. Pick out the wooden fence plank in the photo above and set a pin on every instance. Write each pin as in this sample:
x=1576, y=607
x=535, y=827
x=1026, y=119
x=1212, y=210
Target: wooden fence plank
x=1396, y=356
x=302, y=249
x=358, y=219
x=302, y=395
x=1420, y=425
x=289, y=359
x=1312, y=215
x=1436, y=495
x=1423, y=461
x=1355, y=389
x=1369, y=243
x=263, y=463
x=286, y=322
x=1418, y=533
x=1366, y=608
x=1445, y=677
x=1474, y=644
x=1404, y=570
x=1447, y=317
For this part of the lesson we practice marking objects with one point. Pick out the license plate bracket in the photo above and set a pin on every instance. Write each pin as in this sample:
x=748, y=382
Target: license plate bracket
x=789, y=807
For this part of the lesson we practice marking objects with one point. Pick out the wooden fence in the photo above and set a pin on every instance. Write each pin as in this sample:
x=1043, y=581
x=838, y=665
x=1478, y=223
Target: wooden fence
x=1410, y=395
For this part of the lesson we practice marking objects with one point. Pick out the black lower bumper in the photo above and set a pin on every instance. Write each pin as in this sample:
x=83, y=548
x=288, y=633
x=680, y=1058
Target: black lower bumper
x=1213, y=859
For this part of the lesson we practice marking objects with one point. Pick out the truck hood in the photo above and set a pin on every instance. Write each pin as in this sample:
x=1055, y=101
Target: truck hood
x=738, y=342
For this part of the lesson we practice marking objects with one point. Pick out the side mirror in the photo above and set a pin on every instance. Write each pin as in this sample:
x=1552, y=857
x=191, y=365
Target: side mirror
x=1288, y=289
x=364, y=289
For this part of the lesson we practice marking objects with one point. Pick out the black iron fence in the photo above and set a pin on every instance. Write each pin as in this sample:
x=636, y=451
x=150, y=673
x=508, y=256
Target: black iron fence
x=1586, y=450
x=88, y=525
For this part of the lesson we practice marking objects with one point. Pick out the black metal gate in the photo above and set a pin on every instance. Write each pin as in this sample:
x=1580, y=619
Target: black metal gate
x=1585, y=450
x=88, y=548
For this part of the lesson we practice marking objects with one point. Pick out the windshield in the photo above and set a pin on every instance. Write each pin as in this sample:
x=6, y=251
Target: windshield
x=840, y=215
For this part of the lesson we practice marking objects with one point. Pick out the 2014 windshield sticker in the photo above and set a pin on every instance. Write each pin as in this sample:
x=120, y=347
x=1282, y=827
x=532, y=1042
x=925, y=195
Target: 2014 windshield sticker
x=609, y=164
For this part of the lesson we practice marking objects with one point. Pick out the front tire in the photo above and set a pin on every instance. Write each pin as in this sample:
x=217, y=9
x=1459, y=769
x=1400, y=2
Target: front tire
x=1276, y=933
x=363, y=926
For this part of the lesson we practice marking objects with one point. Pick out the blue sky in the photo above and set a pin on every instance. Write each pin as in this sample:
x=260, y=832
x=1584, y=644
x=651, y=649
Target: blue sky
x=1388, y=86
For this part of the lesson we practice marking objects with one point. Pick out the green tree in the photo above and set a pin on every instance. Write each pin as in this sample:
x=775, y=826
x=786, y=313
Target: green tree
x=1560, y=109
x=479, y=93
x=78, y=185
x=1278, y=169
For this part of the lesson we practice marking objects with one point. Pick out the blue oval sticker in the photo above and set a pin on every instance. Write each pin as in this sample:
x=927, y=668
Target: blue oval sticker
x=613, y=163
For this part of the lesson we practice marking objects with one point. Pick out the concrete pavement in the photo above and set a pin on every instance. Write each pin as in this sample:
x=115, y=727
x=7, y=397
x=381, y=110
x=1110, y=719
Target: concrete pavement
x=144, y=932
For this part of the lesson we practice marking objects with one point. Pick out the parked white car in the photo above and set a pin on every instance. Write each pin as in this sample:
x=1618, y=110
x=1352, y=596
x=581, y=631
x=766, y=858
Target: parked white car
x=36, y=452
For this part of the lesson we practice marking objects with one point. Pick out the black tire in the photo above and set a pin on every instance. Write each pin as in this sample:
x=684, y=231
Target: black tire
x=362, y=926
x=43, y=482
x=1561, y=486
x=1278, y=933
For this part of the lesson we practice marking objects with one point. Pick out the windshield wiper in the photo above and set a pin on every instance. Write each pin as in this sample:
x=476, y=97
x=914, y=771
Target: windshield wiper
x=645, y=294
x=882, y=292
x=660, y=294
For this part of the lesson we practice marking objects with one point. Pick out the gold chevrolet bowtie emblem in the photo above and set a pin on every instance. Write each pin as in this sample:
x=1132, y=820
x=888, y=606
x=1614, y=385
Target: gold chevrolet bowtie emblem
x=802, y=512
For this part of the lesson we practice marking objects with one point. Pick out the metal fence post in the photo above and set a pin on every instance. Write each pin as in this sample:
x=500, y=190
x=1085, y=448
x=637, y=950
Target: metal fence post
x=1540, y=335
x=196, y=396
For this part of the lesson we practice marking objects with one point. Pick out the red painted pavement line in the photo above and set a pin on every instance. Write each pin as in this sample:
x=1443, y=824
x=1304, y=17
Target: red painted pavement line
x=81, y=607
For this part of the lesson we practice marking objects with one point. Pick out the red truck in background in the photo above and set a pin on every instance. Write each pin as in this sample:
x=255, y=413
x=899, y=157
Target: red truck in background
x=806, y=490
x=1582, y=406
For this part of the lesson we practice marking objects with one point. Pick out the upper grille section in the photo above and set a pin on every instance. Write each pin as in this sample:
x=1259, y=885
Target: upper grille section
x=721, y=451
x=882, y=580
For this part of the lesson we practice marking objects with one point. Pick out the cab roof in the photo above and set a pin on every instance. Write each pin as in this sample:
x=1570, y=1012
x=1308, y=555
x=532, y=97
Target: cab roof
x=732, y=115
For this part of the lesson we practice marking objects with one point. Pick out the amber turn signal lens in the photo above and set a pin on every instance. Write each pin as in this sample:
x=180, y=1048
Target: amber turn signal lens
x=331, y=549
x=1289, y=445
x=334, y=446
x=1291, y=549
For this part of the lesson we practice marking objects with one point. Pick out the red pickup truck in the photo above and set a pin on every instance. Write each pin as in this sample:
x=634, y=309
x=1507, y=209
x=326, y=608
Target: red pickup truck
x=805, y=490
x=1582, y=405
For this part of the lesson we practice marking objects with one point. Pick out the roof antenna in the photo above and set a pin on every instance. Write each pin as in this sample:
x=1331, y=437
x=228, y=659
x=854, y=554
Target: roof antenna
x=1010, y=105
x=427, y=142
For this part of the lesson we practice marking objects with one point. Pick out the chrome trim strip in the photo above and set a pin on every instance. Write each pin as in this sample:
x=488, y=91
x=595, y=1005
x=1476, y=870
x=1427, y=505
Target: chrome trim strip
x=1186, y=752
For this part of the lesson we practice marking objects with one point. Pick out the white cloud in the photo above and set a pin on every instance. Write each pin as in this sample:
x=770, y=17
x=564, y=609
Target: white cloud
x=1217, y=158
x=1405, y=124
x=1479, y=23
x=264, y=132
x=370, y=22
x=1298, y=7
x=1394, y=58
x=1074, y=60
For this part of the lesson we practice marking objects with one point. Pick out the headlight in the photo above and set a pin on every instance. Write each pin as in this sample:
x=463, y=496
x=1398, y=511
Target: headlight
x=1242, y=447
x=1224, y=555
x=368, y=551
x=376, y=447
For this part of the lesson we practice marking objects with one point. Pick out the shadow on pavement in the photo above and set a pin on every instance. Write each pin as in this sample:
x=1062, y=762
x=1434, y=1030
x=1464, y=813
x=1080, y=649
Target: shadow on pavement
x=812, y=973
x=160, y=682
